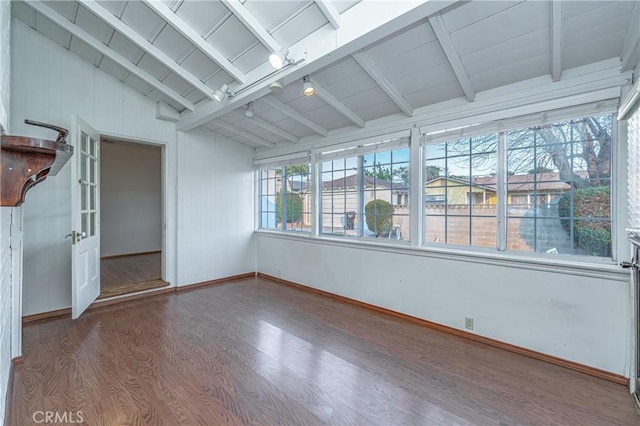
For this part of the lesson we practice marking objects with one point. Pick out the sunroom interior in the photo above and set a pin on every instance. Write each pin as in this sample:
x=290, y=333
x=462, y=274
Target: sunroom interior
x=466, y=164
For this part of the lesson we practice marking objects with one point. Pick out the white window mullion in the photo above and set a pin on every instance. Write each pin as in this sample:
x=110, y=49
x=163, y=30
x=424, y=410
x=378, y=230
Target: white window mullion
x=416, y=189
x=502, y=193
x=620, y=247
x=257, y=195
x=316, y=195
x=284, y=198
x=361, y=195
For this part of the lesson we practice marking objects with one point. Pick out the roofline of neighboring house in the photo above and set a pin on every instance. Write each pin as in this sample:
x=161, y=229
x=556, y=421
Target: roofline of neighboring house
x=465, y=182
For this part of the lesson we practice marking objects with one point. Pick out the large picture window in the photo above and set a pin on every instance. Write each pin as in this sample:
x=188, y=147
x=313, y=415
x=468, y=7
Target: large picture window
x=555, y=191
x=559, y=187
x=460, y=192
x=366, y=195
x=538, y=183
x=285, y=198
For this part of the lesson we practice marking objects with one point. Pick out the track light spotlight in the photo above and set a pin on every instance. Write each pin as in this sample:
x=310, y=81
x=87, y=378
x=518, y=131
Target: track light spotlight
x=221, y=93
x=308, y=88
x=248, y=111
x=282, y=58
x=278, y=59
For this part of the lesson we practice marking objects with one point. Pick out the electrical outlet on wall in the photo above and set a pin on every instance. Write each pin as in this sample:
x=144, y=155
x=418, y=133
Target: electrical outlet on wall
x=468, y=323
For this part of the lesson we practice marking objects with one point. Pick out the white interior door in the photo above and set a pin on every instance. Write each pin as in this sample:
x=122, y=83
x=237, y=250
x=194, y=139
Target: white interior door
x=85, y=218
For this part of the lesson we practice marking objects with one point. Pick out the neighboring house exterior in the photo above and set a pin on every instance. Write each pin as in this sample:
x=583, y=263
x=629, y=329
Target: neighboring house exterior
x=340, y=207
x=458, y=191
x=524, y=191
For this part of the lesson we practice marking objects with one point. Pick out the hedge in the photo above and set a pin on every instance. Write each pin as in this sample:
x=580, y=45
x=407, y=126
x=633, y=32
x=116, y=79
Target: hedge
x=591, y=235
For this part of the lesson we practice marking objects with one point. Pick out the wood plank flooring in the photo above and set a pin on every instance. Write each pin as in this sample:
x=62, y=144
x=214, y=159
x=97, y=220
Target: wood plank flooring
x=256, y=352
x=126, y=274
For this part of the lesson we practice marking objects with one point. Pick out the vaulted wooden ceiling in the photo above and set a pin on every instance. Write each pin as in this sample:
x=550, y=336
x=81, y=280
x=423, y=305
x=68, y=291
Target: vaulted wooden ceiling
x=367, y=59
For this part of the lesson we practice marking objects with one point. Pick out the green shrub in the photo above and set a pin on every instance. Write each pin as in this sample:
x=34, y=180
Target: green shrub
x=379, y=214
x=590, y=235
x=294, y=207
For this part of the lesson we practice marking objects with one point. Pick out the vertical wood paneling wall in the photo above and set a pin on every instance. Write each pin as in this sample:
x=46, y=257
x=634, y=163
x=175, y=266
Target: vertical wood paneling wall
x=5, y=217
x=5, y=304
x=51, y=85
x=213, y=185
x=215, y=207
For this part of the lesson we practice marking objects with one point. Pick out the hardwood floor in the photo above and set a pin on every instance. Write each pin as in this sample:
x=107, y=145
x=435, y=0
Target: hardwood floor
x=254, y=351
x=126, y=274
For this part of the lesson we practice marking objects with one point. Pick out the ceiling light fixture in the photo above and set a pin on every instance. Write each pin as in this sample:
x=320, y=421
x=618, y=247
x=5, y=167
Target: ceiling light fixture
x=221, y=93
x=308, y=89
x=248, y=111
x=276, y=86
x=278, y=59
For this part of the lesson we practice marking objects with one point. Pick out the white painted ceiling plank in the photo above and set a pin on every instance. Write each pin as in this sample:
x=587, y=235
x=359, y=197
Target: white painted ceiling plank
x=295, y=115
x=387, y=87
x=241, y=132
x=444, y=38
x=149, y=48
x=270, y=128
x=192, y=35
x=556, y=39
x=330, y=12
x=337, y=105
x=630, y=49
x=323, y=47
x=108, y=52
x=252, y=24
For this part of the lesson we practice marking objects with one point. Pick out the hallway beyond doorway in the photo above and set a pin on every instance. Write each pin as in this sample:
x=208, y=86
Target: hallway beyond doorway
x=130, y=273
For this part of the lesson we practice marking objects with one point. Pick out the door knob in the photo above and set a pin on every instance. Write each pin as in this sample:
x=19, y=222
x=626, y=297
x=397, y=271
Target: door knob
x=76, y=236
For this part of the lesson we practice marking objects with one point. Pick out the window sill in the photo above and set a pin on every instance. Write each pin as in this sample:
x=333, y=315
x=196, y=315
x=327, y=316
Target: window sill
x=594, y=269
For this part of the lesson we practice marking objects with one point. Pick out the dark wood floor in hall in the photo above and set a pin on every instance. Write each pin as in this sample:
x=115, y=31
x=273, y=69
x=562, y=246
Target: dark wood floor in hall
x=258, y=352
x=130, y=273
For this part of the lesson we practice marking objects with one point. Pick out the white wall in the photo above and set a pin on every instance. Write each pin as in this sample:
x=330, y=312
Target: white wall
x=215, y=207
x=582, y=317
x=208, y=179
x=49, y=84
x=5, y=304
x=5, y=217
x=130, y=198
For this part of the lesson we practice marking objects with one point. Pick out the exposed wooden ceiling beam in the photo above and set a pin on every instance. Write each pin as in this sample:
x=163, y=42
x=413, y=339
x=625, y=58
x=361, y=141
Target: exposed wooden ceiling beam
x=241, y=132
x=322, y=48
x=192, y=35
x=383, y=82
x=444, y=38
x=87, y=38
x=110, y=19
x=334, y=103
x=330, y=12
x=269, y=127
x=295, y=115
x=252, y=24
x=556, y=39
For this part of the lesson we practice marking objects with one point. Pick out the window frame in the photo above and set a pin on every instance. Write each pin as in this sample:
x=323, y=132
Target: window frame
x=284, y=177
x=561, y=110
x=385, y=144
x=501, y=131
